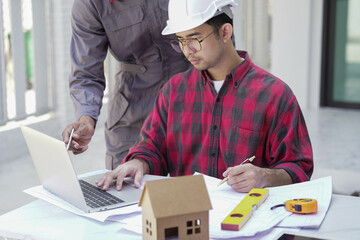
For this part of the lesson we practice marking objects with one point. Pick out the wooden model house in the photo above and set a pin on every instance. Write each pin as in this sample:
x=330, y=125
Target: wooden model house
x=175, y=207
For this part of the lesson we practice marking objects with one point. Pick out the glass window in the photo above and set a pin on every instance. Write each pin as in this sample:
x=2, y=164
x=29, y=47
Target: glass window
x=341, y=76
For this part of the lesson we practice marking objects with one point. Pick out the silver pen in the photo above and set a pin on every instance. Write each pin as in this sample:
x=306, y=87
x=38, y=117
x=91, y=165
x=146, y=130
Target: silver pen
x=70, y=138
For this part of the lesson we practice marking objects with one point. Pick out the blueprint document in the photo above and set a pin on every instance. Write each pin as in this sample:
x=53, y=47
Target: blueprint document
x=319, y=189
x=224, y=199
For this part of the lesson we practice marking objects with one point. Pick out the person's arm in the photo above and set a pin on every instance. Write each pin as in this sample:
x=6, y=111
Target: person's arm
x=290, y=157
x=290, y=146
x=245, y=177
x=87, y=82
x=88, y=50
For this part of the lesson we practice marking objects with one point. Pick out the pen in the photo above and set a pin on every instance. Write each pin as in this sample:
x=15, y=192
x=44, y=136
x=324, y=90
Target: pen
x=70, y=138
x=248, y=159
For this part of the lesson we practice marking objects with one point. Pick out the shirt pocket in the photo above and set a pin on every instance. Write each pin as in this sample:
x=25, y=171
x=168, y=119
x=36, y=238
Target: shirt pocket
x=244, y=143
x=127, y=32
x=123, y=19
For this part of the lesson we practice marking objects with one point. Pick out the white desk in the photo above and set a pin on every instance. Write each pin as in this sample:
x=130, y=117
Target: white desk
x=41, y=220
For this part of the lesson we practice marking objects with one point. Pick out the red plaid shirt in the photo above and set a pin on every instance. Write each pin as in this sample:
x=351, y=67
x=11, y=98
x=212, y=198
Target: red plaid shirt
x=193, y=129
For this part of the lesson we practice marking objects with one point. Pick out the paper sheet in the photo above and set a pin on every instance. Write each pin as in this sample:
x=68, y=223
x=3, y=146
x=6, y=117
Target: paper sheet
x=40, y=192
x=224, y=199
x=319, y=189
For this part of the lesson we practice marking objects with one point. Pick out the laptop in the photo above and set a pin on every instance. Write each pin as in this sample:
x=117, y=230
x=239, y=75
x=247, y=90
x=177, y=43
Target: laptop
x=57, y=175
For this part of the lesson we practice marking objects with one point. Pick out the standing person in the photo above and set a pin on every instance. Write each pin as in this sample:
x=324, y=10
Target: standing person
x=131, y=31
x=220, y=112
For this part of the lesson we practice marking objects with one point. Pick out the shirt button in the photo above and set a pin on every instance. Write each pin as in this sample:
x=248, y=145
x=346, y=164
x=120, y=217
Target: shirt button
x=213, y=154
x=215, y=127
x=218, y=99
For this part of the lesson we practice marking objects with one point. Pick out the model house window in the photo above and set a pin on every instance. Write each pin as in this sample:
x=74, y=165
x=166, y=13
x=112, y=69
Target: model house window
x=148, y=227
x=193, y=226
x=171, y=233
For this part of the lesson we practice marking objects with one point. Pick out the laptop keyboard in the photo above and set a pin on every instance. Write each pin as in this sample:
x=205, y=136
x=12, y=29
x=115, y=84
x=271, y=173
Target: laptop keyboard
x=95, y=197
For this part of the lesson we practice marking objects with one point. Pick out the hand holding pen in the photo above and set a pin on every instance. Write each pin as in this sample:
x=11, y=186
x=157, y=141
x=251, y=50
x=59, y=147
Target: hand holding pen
x=77, y=135
x=245, y=161
x=74, y=142
x=244, y=177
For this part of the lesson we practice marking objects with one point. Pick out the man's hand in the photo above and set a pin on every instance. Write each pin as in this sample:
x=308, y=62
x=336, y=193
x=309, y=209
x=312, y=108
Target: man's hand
x=83, y=131
x=245, y=177
x=135, y=168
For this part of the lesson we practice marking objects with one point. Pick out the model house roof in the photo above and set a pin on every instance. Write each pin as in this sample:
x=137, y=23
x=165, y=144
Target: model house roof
x=177, y=196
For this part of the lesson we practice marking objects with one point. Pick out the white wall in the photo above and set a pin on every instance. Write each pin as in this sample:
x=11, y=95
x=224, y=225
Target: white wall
x=252, y=31
x=296, y=47
x=237, y=21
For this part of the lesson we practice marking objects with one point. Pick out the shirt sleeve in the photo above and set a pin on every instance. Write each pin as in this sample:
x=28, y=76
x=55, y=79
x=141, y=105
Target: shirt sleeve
x=152, y=146
x=88, y=50
x=290, y=146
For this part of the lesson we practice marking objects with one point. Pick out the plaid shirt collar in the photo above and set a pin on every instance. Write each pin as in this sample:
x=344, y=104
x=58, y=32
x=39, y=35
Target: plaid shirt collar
x=237, y=74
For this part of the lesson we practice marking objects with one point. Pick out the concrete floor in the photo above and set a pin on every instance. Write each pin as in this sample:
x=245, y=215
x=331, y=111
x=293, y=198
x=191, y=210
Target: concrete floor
x=335, y=136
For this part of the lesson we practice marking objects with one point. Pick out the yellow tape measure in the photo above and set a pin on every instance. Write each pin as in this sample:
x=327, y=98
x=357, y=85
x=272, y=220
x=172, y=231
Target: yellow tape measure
x=300, y=205
x=243, y=211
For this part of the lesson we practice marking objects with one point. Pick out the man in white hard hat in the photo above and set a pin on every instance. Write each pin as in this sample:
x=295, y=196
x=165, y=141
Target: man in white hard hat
x=222, y=111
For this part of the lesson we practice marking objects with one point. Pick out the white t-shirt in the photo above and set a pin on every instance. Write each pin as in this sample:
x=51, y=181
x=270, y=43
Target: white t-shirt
x=218, y=85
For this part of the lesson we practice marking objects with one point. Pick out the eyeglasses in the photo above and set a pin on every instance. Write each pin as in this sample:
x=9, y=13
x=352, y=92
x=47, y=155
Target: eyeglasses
x=193, y=44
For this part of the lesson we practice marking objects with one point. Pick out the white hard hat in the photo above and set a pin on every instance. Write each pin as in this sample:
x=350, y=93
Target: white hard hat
x=188, y=14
